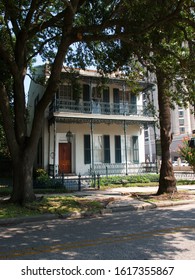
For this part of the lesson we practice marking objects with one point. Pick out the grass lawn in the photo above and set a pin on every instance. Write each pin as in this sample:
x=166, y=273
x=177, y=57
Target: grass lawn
x=62, y=204
x=50, y=204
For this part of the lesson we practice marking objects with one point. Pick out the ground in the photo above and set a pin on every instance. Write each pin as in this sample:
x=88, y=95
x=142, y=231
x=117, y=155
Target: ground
x=181, y=195
x=61, y=204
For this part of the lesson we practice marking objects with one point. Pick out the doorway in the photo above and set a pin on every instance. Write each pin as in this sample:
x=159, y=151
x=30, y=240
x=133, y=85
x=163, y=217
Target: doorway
x=65, y=158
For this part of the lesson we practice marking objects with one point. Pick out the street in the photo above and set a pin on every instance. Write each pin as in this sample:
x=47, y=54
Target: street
x=164, y=233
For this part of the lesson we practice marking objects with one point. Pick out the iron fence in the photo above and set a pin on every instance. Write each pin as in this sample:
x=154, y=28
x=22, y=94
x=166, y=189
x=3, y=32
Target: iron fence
x=93, y=107
x=77, y=183
x=184, y=175
x=124, y=169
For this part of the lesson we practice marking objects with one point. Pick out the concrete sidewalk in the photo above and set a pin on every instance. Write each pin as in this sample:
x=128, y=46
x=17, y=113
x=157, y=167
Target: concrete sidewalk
x=123, y=201
x=119, y=199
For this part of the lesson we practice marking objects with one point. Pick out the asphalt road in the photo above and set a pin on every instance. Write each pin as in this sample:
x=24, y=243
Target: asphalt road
x=165, y=233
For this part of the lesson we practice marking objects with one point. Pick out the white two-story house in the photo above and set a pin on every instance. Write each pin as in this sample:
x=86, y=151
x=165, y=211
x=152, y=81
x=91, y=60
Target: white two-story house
x=93, y=124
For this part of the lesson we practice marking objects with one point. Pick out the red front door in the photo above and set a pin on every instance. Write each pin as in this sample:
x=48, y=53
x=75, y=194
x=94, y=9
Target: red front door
x=65, y=158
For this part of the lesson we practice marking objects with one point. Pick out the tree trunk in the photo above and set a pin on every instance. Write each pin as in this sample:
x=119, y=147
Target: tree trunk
x=23, y=179
x=167, y=181
x=23, y=145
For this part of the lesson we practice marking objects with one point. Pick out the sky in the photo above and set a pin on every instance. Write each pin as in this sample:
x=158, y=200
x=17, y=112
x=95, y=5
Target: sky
x=27, y=78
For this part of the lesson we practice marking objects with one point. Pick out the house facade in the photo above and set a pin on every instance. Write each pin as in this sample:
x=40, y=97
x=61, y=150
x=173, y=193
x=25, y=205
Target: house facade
x=93, y=124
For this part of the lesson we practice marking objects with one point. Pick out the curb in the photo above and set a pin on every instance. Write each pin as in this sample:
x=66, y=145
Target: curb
x=47, y=217
x=175, y=203
x=149, y=206
x=144, y=206
x=15, y=221
x=105, y=211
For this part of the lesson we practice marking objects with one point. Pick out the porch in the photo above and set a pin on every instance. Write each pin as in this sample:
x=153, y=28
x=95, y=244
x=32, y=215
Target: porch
x=107, y=169
x=103, y=146
x=97, y=107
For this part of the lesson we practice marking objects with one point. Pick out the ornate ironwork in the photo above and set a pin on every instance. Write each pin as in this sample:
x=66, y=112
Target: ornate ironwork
x=96, y=107
x=120, y=168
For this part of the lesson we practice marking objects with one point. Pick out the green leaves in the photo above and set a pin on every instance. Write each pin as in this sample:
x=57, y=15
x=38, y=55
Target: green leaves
x=187, y=152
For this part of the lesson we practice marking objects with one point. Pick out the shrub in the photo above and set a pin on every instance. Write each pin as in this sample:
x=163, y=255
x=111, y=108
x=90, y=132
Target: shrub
x=41, y=178
x=187, y=152
x=40, y=172
x=117, y=180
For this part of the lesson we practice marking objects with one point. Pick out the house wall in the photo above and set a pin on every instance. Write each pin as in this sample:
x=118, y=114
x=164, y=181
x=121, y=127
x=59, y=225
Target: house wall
x=55, y=133
x=78, y=131
x=35, y=93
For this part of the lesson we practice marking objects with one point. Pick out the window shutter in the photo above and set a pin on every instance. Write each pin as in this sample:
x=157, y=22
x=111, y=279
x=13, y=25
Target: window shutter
x=117, y=149
x=87, y=149
x=106, y=148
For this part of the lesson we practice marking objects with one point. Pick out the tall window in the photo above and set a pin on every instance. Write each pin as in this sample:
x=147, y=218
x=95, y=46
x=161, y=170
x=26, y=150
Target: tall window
x=181, y=114
x=86, y=92
x=126, y=149
x=101, y=145
x=65, y=92
x=182, y=129
x=116, y=99
x=133, y=102
x=135, y=149
x=98, y=148
x=86, y=98
x=117, y=149
x=106, y=100
x=87, y=149
x=181, y=121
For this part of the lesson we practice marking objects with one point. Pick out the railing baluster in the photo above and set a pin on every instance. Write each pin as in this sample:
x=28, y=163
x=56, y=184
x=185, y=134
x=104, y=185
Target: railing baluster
x=105, y=108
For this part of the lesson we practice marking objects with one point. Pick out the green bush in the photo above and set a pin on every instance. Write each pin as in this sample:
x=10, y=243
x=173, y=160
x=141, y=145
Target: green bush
x=130, y=179
x=40, y=173
x=187, y=152
x=42, y=179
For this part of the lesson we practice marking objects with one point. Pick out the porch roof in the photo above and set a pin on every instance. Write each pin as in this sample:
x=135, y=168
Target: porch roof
x=68, y=117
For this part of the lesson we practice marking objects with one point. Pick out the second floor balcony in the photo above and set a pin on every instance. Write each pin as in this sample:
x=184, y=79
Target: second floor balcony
x=98, y=108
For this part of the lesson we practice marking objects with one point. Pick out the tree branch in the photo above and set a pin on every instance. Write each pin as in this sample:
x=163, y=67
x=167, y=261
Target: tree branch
x=11, y=12
x=41, y=47
x=45, y=24
x=29, y=16
x=54, y=78
x=169, y=17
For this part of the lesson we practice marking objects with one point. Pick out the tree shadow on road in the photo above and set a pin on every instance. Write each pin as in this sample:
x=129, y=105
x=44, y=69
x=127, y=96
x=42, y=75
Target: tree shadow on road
x=155, y=234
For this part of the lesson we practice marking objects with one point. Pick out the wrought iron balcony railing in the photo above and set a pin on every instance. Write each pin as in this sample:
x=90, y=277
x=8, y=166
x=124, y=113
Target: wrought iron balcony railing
x=93, y=107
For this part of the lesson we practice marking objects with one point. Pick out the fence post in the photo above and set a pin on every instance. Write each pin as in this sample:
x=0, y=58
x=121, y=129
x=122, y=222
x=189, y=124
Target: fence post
x=53, y=171
x=98, y=178
x=94, y=178
x=79, y=182
x=62, y=179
